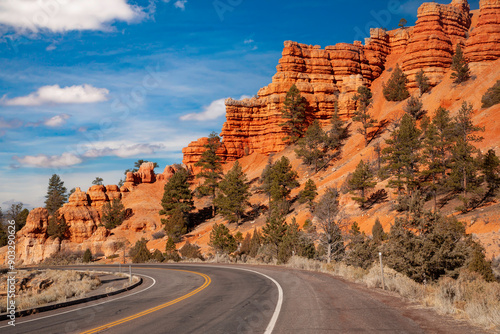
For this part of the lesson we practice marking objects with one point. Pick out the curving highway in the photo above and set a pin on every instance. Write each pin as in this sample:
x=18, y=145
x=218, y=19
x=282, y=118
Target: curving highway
x=202, y=298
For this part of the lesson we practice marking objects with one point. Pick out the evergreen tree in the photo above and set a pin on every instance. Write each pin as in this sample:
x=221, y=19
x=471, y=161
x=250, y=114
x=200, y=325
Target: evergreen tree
x=432, y=160
x=294, y=113
x=157, y=256
x=278, y=180
x=328, y=213
x=57, y=227
x=255, y=243
x=246, y=244
x=87, y=256
x=140, y=252
x=177, y=202
x=414, y=108
x=171, y=252
x=211, y=169
x=491, y=171
x=361, y=180
x=378, y=232
x=396, y=90
x=479, y=264
x=274, y=231
x=361, y=251
x=18, y=214
x=459, y=66
x=98, y=181
x=221, y=239
x=464, y=167
x=233, y=199
x=56, y=194
x=492, y=96
x=308, y=194
x=402, y=23
x=313, y=147
x=190, y=251
x=363, y=102
x=422, y=82
x=338, y=130
x=402, y=155
x=113, y=214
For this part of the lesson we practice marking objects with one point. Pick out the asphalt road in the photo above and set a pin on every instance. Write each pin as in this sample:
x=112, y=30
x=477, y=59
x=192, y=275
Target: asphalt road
x=195, y=298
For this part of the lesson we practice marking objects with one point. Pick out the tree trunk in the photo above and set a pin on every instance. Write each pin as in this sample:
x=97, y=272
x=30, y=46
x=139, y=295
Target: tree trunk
x=329, y=253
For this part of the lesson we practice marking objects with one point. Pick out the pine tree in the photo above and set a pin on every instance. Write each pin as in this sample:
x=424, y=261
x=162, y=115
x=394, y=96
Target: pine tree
x=294, y=113
x=211, y=169
x=171, y=252
x=361, y=251
x=177, y=202
x=233, y=199
x=56, y=194
x=98, y=181
x=221, y=239
x=414, y=108
x=464, y=167
x=255, y=243
x=396, y=90
x=363, y=101
x=402, y=155
x=459, y=66
x=338, y=130
x=113, y=214
x=57, y=227
x=308, y=194
x=313, y=146
x=422, y=82
x=274, y=231
x=361, y=180
x=378, y=232
x=278, y=180
x=491, y=171
x=328, y=213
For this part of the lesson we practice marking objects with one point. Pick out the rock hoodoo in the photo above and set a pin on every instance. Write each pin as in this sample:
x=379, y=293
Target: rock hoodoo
x=330, y=77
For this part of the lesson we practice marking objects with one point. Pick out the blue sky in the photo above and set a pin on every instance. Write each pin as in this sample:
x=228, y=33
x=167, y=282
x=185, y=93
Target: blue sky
x=87, y=89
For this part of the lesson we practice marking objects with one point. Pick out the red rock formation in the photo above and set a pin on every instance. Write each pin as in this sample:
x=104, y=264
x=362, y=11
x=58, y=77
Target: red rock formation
x=438, y=29
x=36, y=224
x=483, y=43
x=79, y=198
x=145, y=174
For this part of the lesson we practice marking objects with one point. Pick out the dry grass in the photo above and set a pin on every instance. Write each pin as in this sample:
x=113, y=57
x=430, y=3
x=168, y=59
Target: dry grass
x=469, y=297
x=35, y=288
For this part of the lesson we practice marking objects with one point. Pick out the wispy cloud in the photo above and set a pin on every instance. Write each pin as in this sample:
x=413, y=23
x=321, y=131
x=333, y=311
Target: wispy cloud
x=57, y=120
x=181, y=4
x=62, y=16
x=213, y=111
x=57, y=95
x=46, y=161
x=122, y=150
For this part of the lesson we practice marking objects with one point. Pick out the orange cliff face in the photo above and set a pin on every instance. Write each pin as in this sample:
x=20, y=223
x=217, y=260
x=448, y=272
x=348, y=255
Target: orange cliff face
x=83, y=214
x=332, y=75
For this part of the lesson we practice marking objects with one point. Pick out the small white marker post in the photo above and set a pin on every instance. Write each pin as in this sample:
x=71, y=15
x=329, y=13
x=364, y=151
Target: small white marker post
x=381, y=269
x=130, y=274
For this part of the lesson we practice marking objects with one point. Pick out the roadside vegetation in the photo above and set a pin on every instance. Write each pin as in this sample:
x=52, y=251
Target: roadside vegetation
x=38, y=288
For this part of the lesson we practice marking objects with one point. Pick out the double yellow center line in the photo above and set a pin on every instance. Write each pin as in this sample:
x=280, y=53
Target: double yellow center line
x=154, y=309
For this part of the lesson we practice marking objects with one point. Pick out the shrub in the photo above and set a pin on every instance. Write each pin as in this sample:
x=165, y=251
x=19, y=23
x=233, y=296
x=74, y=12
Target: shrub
x=414, y=108
x=57, y=227
x=158, y=235
x=422, y=82
x=492, y=96
x=190, y=251
x=87, y=256
x=158, y=256
x=396, y=90
x=140, y=252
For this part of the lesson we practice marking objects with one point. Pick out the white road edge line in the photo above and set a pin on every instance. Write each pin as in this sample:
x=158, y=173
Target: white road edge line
x=277, y=310
x=81, y=308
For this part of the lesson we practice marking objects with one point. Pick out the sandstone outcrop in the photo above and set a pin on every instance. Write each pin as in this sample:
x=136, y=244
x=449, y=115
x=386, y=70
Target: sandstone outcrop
x=145, y=174
x=437, y=31
x=483, y=43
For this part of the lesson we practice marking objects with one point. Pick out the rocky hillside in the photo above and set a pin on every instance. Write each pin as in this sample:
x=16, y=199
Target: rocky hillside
x=325, y=77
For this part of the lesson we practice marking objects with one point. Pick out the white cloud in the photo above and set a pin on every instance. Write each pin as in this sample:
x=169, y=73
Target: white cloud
x=56, y=95
x=57, y=120
x=249, y=41
x=121, y=150
x=181, y=4
x=44, y=161
x=64, y=15
x=213, y=111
